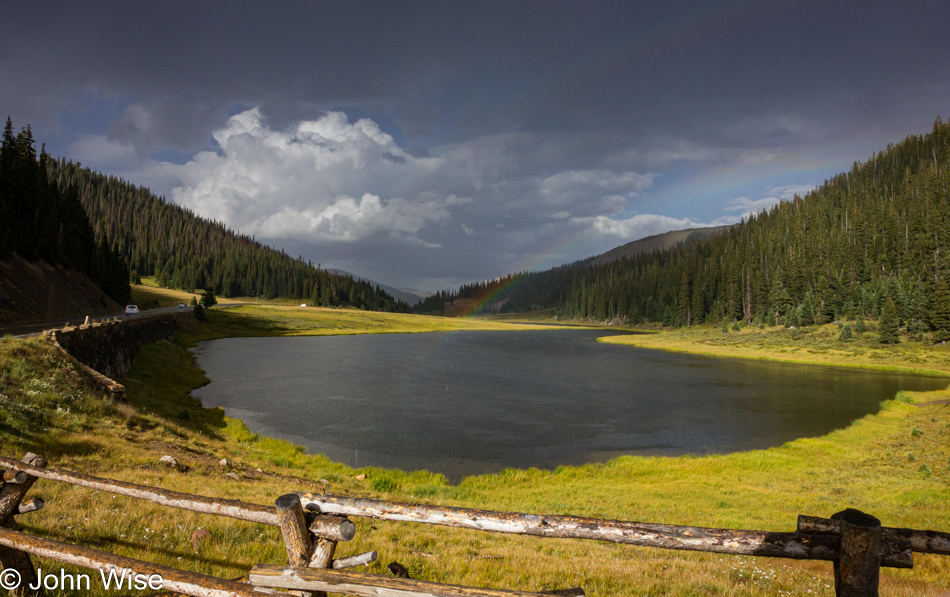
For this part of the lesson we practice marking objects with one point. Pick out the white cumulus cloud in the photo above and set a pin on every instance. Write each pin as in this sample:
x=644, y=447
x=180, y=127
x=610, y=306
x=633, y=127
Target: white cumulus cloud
x=774, y=195
x=347, y=195
x=322, y=180
x=642, y=225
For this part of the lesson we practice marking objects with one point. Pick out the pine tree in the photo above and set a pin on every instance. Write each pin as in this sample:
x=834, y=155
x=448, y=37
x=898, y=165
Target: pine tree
x=806, y=311
x=888, y=327
x=208, y=299
x=940, y=310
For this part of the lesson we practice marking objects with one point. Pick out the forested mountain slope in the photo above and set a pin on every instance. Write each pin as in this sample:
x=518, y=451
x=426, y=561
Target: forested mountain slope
x=44, y=222
x=657, y=242
x=185, y=251
x=878, y=232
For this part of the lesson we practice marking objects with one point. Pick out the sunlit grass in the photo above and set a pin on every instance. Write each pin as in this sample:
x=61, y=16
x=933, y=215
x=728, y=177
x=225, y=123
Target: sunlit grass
x=276, y=320
x=894, y=464
x=815, y=345
x=149, y=292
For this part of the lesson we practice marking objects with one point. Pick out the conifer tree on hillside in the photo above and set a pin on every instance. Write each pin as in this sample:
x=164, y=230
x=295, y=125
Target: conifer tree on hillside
x=889, y=326
x=940, y=310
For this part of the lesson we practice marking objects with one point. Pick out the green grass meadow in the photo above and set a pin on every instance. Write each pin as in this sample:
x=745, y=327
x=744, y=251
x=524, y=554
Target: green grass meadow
x=894, y=464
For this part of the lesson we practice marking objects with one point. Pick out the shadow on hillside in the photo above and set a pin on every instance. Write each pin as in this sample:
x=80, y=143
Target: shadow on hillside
x=226, y=323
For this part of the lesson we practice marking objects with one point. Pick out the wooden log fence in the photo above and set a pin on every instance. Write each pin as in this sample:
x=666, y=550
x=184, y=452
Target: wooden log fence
x=369, y=585
x=181, y=581
x=164, y=497
x=312, y=525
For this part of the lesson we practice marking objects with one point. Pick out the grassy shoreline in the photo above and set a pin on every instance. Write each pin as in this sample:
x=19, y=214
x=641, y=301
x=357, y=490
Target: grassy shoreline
x=893, y=464
x=816, y=345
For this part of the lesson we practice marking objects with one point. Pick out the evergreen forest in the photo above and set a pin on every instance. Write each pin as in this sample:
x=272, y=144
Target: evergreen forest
x=115, y=231
x=42, y=220
x=876, y=234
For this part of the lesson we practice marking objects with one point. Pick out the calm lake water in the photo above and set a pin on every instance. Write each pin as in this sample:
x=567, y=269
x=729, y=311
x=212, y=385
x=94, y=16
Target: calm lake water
x=463, y=403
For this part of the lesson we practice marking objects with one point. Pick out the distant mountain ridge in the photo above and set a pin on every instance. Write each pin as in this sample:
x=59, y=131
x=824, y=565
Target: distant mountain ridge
x=657, y=242
x=407, y=296
x=867, y=243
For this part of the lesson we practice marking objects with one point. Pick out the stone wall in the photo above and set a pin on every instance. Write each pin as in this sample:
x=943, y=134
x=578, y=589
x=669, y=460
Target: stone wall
x=110, y=347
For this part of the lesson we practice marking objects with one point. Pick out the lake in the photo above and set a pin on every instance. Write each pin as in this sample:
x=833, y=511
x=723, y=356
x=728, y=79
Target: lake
x=463, y=403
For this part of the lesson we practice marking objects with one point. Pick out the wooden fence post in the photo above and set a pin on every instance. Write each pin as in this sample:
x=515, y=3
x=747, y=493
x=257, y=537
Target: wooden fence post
x=327, y=531
x=293, y=526
x=858, y=569
x=16, y=484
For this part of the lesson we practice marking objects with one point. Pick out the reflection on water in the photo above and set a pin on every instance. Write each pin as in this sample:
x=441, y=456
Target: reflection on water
x=470, y=402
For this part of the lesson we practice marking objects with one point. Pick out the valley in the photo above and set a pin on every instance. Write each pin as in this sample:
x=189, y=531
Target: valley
x=895, y=464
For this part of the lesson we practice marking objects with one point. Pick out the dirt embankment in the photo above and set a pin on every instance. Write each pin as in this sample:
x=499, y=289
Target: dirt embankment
x=39, y=292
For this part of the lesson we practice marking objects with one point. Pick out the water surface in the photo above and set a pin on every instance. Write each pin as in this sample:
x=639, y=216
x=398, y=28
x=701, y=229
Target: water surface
x=471, y=402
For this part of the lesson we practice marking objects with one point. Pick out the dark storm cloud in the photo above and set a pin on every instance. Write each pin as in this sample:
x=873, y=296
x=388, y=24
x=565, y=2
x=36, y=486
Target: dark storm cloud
x=456, y=70
x=519, y=130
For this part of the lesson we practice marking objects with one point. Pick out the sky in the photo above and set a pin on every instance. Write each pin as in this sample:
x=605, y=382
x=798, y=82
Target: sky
x=428, y=144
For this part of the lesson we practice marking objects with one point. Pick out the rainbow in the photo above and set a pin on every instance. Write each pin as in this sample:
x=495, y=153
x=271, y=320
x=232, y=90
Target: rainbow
x=685, y=186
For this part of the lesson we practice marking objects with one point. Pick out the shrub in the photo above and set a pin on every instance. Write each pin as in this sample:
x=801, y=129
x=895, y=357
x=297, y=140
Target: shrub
x=199, y=313
x=846, y=333
x=735, y=326
x=384, y=484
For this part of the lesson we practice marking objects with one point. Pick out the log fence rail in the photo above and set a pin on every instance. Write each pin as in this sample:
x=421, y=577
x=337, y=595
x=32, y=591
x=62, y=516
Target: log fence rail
x=313, y=524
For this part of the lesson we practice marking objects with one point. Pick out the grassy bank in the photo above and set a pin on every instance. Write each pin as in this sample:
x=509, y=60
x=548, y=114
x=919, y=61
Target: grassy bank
x=895, y=464
x=819, y=345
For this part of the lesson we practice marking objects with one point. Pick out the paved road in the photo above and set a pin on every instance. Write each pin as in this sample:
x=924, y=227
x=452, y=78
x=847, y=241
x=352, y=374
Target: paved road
x=34, y=329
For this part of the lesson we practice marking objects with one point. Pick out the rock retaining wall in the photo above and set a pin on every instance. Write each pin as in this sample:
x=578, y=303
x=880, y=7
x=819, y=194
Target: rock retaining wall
x=109, y=348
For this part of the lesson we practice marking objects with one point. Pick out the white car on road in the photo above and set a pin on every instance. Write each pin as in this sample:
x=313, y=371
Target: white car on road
x=132, y=310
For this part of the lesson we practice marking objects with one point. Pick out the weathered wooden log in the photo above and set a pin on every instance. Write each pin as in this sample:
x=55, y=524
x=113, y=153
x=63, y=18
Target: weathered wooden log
x=858, y=570
x=173, y=499
x=293, y=526
x=322, y=553
x=179, y=581
x=33, y=505
x=12, y=493
x=739, y=542
x=368, y=585
x=11, y=476
x=14, y=559
x=11, y=496
x=331, y=527
x=322, y=557
x=920, y=541
x=360, y=560
x=575, y=592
